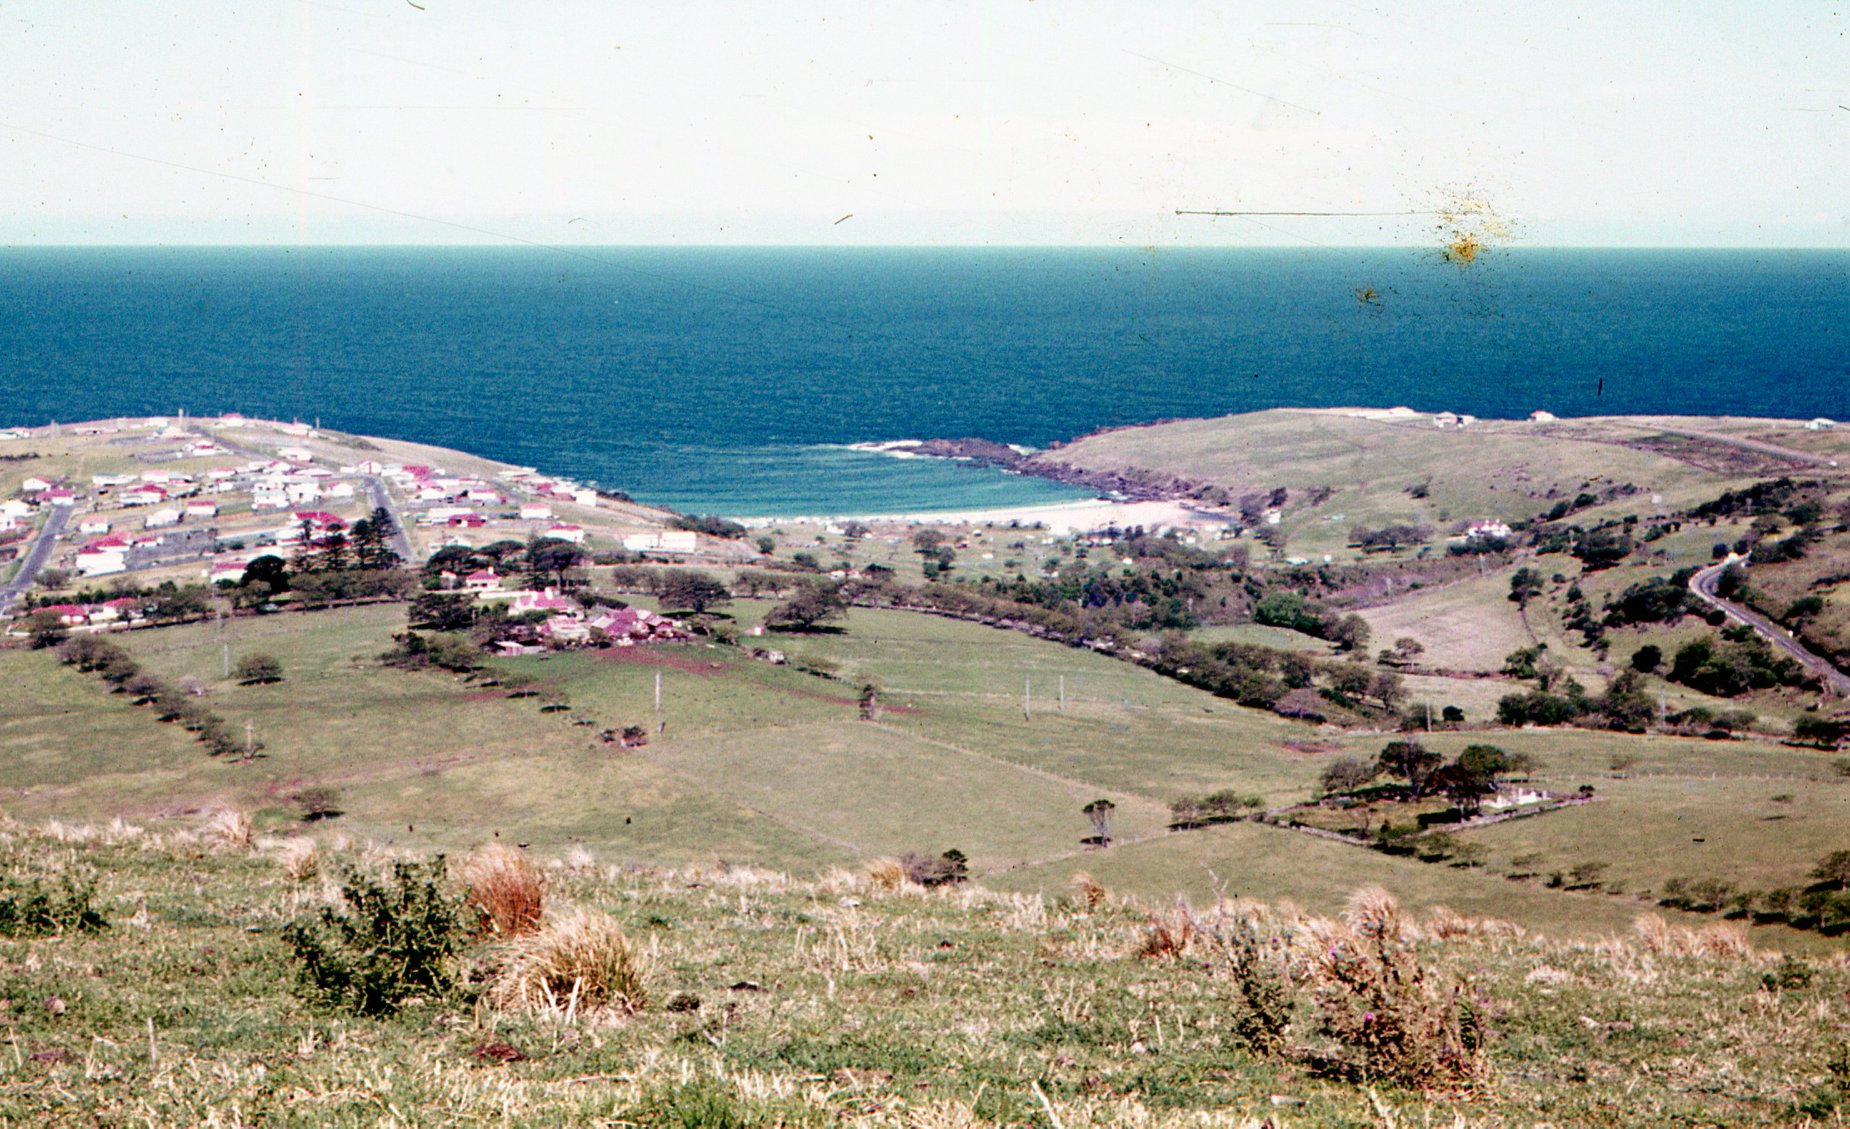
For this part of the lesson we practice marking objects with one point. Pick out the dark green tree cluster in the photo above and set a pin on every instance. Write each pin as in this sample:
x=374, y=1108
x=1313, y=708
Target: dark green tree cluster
x=1735, y=663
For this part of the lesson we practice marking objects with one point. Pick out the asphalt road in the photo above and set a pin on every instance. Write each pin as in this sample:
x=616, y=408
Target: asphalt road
x=35, y=559
x=1703, y=585
x=382, y=499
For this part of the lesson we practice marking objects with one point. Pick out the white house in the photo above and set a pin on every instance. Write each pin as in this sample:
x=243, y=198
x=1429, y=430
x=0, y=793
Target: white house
x=59, y=496
x=147, y=495
x=161, y=518
x=14, y=507
x=200, y=508
x=93, y=526
x=535, y=511
x=1539, y=416
x=34, y=485
x=666, y=541
x=104, y=555
x=567, y=532
x=1822, y=424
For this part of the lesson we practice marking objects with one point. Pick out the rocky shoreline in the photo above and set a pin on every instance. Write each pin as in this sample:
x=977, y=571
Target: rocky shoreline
x=1126, y=486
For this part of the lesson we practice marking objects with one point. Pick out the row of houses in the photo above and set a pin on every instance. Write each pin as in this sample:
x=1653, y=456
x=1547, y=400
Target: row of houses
x=121, y=611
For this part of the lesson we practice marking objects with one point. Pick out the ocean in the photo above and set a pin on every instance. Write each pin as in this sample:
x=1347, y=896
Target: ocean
x=733, y=381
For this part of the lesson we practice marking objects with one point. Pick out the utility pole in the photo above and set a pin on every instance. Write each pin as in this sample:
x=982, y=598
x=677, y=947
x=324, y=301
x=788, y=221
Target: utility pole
x=1027, y=697
x=225, y=659
x=660, y=725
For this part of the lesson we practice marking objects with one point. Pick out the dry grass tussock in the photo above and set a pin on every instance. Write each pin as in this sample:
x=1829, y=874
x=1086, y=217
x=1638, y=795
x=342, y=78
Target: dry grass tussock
x=886, y=875
x=1089, y=891
x=1170, y=932
x=1724, y=942
x=229, y=829
x=578, y=964
x=1445, y=924
x=299, y=859
x=506, y=890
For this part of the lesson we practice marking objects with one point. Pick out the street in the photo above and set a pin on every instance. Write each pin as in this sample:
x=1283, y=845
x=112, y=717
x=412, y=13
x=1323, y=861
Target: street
x=36, y=558
x=1703, y=584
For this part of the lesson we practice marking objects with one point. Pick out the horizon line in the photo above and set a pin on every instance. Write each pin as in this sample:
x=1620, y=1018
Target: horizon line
x=1112, y=246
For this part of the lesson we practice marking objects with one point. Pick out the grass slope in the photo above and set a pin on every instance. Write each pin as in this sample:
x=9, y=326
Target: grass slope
x=837, y=1003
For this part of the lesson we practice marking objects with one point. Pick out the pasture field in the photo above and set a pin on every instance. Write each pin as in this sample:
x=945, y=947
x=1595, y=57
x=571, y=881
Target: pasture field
x=1467, y=625
x=772, y=766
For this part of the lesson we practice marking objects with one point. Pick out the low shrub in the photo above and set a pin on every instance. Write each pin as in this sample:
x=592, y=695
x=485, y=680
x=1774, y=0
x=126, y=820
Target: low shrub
x=396, y=940
x=30, y=909
x=1389, y=1015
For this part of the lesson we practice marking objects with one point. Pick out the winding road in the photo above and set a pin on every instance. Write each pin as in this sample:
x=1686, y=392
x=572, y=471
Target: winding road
x=1704, y=583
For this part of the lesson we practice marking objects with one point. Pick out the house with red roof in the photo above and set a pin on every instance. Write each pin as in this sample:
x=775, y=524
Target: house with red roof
x=548, y=601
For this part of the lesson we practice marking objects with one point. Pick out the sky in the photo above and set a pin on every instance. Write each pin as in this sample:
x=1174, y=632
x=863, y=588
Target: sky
x=946, y=123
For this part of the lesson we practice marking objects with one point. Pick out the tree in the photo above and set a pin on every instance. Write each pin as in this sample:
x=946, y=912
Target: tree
x=1405, y=650
x=1833, y=869
x=1647, y=658
x=1099, y=812
x=1525, y=584
x=694, y=591
x=1388, y=688
x=1350, y=633
x=258, y=669
x=52, y=579
x=46, y=628
x=268, y=572
x=444, y=611
x=1813, y=729
x=809, y=606
x=1412, y=762
x=924, y=540
x=372, y=539
x=767, y=545
x=1346, y=774
x=551, y=558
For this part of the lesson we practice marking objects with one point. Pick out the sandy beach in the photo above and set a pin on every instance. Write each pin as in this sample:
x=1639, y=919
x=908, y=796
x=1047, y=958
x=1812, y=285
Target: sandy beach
x=1060, y=518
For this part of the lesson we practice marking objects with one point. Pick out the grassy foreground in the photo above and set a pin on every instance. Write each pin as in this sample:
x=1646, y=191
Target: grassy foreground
x=850, y=1001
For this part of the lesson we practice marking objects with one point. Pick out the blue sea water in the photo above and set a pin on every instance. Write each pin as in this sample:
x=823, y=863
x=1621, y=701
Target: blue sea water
x=731, y=381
